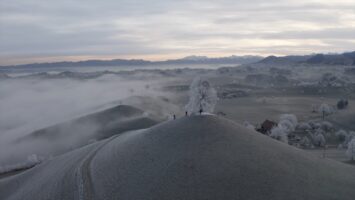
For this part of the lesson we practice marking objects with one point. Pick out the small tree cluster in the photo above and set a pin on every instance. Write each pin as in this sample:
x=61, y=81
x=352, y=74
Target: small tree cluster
x=344, y=137
x=314, y=125
x=279, y=133
x=286, y=125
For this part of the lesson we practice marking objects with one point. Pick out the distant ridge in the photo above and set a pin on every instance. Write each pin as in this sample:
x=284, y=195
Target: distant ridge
x=134, y=62
x=317, y=59
x=347, y=59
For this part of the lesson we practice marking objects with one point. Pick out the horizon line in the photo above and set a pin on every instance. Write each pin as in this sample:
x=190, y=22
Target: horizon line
x=77, y=59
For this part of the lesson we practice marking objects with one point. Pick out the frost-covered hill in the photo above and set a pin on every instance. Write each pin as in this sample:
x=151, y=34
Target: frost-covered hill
x=198, y=157
x=105, y=123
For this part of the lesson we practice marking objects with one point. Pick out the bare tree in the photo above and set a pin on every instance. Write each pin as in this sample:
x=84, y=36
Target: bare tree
x=203, y=97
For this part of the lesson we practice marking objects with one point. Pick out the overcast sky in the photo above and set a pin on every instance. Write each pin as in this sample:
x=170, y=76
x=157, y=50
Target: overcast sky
x=52, y=30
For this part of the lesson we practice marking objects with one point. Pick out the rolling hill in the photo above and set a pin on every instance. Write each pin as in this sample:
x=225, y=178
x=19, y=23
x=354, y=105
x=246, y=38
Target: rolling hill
x=197, y=157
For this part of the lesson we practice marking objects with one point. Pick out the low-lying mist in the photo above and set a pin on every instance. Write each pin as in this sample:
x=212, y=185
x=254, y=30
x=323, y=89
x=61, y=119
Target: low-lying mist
x=29, y=104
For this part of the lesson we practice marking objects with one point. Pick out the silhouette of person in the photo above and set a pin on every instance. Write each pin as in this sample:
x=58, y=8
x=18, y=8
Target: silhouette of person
x=201, y=111
x=186, y=113
x=174, y=117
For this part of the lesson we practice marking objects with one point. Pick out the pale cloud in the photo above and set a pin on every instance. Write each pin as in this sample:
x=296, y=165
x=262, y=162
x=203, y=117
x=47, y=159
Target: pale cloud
x=38, y=29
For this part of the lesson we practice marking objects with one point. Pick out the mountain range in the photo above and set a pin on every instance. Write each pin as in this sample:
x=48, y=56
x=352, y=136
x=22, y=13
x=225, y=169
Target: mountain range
x=347, y=59
x=314, y=59
x=139, y=62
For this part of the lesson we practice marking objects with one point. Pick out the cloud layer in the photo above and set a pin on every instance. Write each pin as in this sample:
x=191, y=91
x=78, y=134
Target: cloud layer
x=37, y=30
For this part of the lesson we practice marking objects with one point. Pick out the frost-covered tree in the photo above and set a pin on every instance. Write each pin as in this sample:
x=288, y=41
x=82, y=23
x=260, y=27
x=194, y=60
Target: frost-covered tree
x=349, y=137
x=287, y=125
x=319, y=139
x=351, y=149
x=325, y=110
x=288, y=122
x=345, y=138
x=326, y=126
x=248, y=125
x=279, y=133
x=341, y=135
x=289, y=117
x=304, y=126
x=203, y=97
x=314, y=124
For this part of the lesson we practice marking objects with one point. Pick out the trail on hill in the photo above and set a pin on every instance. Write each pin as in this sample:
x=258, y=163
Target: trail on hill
x=84, y=180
